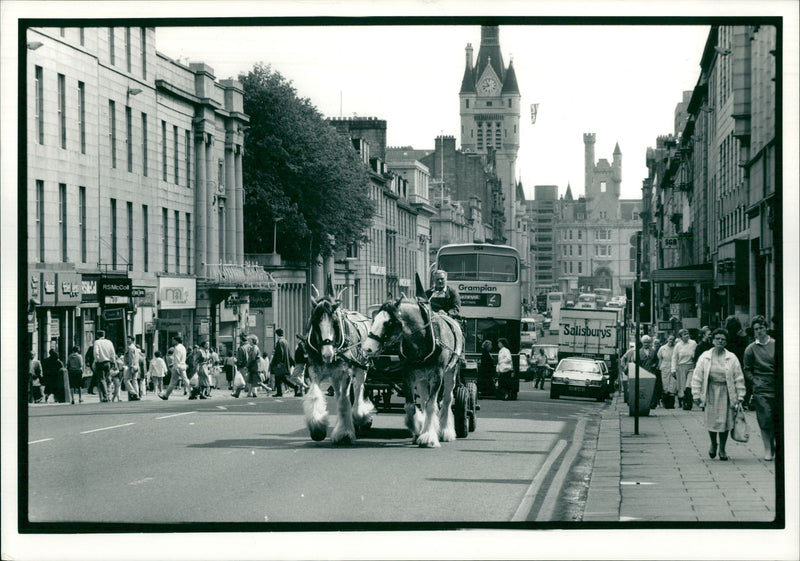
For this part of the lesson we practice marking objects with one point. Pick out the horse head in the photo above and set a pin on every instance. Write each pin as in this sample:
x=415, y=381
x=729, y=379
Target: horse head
x=325, y=331
x=405, y=319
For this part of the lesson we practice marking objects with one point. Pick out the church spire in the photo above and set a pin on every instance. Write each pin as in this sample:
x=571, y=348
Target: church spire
x=489, y=53
x=510, y=84
x=568, y=195
x=468, y=81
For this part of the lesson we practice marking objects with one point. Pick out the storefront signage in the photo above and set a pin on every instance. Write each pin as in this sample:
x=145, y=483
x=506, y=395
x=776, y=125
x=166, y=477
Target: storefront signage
x=68, y=289
x=149, y=327
x=202, y=328
x=377, y=270
x=262, y=299
x=138, y=292
x=89, y=288
x=113, y=314
x=34, y=286
x=176, y=293
x=48, y=292
x=114, y=290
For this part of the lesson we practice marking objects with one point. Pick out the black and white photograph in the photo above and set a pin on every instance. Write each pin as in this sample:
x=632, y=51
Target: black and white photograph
x=440, y=280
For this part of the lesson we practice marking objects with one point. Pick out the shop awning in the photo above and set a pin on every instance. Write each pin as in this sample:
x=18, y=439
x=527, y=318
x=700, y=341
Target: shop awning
x=691, y=273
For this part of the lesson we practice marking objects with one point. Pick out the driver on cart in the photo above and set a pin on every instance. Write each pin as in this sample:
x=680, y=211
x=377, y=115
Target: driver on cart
x=442, y=297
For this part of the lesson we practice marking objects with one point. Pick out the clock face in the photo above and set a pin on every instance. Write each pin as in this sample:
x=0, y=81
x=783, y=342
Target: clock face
x=488, y=85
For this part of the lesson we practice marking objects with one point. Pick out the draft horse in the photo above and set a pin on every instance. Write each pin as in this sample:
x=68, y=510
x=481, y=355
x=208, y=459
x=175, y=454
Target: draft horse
x=333, y=344
x=430, y=346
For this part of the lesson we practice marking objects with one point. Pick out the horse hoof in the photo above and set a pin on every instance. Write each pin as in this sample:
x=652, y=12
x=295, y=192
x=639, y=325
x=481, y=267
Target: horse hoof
x=344, y=441
x=318, y=433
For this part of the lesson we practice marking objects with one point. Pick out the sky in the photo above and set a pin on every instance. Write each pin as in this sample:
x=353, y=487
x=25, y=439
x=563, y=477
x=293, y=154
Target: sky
x=620, y=82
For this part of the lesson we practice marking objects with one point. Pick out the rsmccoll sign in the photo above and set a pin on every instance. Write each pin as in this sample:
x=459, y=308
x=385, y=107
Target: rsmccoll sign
x=114, y=290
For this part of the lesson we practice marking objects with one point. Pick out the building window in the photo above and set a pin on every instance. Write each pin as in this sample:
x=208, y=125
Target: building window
x=603, y=215
x=570, y=234
x=177, y=242
x=356, y=293
x=509, y=102
x=570, y=267
x=467, y=103
x=113, y=233
x=82, y=115
x=188, y=158
x=602, y=186
x=580, y=234
x=175, y=152
x=128, y=49
x=129, y=134
x=82, y=220
x=111, y=45
x=39, y=105
x=62, y=219
x=580, y=267
x=40, y=218
x=62, y=111
x=145, y=239
x=488, y=104
x=188, y=243
x=112, y=131
x=144, y=144
x=580, y=250
x=164, y=149
x=165, y=238
x=129, y=213
x=144, y=52
x=635, y=215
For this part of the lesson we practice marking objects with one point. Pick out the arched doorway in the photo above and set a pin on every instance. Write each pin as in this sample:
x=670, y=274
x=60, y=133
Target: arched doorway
x=603, y=278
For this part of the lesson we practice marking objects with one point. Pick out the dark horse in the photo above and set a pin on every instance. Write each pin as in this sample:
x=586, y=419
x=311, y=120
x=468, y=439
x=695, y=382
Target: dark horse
x=430, y=347
x=333, y=343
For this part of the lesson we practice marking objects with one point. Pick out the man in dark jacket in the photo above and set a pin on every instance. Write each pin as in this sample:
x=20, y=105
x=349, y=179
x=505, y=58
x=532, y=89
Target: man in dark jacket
x=281, y=364
x=442, y=297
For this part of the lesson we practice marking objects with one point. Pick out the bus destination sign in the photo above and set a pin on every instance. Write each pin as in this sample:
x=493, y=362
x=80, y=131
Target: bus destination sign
x=485, y=300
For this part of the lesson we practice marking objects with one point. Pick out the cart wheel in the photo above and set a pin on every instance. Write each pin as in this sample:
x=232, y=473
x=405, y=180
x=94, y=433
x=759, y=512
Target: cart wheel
x=460, y=411
x=472, y=388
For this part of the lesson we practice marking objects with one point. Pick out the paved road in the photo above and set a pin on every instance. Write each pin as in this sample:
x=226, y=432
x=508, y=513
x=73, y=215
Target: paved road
x=251, y=460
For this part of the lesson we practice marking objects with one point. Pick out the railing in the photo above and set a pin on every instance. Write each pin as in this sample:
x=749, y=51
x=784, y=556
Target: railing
x=248, y=275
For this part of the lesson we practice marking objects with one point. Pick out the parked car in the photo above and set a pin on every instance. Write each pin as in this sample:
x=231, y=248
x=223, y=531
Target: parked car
x=580, y=377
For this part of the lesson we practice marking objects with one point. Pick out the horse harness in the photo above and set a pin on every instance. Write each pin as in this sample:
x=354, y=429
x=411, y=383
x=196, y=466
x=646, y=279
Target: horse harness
x=353, y=327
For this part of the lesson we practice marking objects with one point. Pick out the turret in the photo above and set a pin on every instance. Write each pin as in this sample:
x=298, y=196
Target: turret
x=617, y=167
x=588, y=141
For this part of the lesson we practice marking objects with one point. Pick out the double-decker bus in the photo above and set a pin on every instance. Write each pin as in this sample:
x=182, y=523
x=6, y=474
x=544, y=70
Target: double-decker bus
x=587, y=301
x=487, y=278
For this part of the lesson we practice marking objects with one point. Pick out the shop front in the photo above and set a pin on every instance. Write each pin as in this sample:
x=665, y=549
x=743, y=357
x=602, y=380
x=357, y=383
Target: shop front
x=114, y=293
x=54, y=298
x=177, y=301
x=229, y=313
x=87, y=312
x=144, y=313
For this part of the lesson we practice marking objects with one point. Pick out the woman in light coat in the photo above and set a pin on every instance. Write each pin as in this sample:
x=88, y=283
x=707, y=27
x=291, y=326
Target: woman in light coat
x=718, y=385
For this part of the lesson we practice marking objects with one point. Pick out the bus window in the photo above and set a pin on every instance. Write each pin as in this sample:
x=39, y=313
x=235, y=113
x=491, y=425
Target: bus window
x=497, y=268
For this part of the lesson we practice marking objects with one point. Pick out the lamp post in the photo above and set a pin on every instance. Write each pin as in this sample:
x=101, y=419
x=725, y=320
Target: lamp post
x=637, y=339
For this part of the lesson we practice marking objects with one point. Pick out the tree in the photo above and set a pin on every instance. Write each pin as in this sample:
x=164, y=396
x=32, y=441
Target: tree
x=299, y=170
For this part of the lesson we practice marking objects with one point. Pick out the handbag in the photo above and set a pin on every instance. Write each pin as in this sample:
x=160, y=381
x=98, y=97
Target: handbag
x=740, y=432
x=238, y=380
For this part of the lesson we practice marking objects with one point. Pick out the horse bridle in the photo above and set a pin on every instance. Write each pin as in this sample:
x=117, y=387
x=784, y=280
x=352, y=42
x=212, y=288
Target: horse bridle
x=391, y=309
x=336, y=315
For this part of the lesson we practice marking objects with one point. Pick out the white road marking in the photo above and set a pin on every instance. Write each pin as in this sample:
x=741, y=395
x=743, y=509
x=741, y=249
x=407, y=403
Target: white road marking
x=549, y=504
x=107, y=428
x=174, y=415
x=222, y=407
x=40, y=440
x=530, y=495
x=140, y=481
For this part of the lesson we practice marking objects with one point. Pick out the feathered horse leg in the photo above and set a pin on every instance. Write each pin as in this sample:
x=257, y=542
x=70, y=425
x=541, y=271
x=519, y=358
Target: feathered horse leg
x=363, y=408
x=428, y=399
x=344, y=431
x=447, y=430
x=315, y=409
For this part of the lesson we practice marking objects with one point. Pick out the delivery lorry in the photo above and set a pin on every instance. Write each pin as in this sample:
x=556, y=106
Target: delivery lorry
x=590, y=333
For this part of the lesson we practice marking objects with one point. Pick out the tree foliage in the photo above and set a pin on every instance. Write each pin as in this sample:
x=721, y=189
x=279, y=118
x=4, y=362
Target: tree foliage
x=299, y=170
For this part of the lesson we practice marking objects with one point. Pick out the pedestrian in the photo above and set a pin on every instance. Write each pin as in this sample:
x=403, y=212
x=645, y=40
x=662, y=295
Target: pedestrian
x=158, y=369
x=143, y=377
x=737, y=343
x=130, y=371
x=280, y=365
x=89, y=361
x=718, y=386
x=683, y=363
x=505, y=366
x=759, y=367
x=203, y=368
x=299, y=369
x=486, y=368
x=229, y=368
x=116, y=376
x=51, y=369
x=253, y=366
x=241, y=365
x=669, y=380
x=75, y=371
x=705, y=342
x=263, y=372
x=178, y=367
x=34, y=379
x=103, y=356
x=540, y=369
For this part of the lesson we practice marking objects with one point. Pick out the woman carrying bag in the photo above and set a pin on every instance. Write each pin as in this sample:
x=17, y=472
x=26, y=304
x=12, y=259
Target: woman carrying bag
x=718, y=385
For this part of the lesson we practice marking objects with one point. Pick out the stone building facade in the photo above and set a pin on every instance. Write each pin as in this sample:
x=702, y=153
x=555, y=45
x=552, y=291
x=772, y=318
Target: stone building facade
x=134, y=193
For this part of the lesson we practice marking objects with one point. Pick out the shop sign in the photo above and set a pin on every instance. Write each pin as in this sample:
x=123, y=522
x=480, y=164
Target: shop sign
x=89, y=288
x=251, y=320
x=112, y=314
x=137, y=292
x=149, y=327
x=145, y=296
x=48, y=292
x=176, y=293
x=54, y=328
x=202, y=329
x=115, y=290
x=261, y=299
x=68, y=289
x=405, y=282
x=377, y=270
x=675, y=310
x=33, y=287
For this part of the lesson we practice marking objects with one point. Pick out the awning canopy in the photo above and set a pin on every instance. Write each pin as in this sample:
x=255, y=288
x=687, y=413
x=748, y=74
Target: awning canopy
x=691, y=273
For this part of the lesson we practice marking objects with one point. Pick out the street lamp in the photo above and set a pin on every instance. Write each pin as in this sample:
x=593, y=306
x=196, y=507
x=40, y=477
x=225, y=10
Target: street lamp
x=132, y=91
x=275, y=233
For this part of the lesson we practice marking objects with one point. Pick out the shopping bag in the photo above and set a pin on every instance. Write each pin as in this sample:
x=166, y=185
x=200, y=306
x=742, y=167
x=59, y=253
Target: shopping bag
x=740, y=432
x=194, y=381
x=238, y=380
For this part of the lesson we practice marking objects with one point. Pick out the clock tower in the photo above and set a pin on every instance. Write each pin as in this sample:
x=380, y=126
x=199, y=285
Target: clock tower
x=490, y=109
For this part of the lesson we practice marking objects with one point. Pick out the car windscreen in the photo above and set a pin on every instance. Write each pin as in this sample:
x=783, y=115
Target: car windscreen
x=578, y=366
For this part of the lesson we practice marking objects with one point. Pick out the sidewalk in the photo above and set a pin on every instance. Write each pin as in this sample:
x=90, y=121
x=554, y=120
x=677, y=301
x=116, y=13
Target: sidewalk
x=664, y=474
